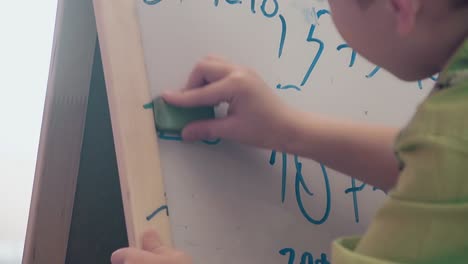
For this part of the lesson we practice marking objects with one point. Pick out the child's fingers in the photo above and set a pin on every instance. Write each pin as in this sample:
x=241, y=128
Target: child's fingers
x=119, y=256
x=208, y=70
x=151, y=241
x=210, y=95
x=208, y=129
x=133, y=255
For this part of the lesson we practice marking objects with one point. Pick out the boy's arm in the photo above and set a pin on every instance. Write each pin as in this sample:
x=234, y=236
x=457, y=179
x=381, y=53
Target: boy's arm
x=258, y=117
x=361, y=150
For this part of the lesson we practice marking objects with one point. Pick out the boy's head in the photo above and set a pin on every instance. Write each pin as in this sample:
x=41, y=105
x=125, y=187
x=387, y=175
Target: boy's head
x=413, y=39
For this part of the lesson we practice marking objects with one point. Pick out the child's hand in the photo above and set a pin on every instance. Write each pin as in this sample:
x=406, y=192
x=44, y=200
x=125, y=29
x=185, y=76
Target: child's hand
x=153, y=252
x=256, y=115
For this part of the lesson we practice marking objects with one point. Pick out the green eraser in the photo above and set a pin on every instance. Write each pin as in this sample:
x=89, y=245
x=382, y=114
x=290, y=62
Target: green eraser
x=172, y=119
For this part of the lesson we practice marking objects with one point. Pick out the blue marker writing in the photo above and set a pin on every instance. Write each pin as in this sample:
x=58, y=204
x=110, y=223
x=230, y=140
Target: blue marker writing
x=307, y=257
x=353, y=54
x=212, y=142
x=311, y=38
x=287, y=87
x=373, y=72
x=299, y=173
x=283, y=35
x=355, y=190
x=233, y=2
x=165, y=136
x=151, y=2
x=284, y=168
x=291, y=252
x=275, y=9
x=434, y=78
x=300, y=182
x=157, y=211
x=323, y=259
x=252, y=6
x=300, y=185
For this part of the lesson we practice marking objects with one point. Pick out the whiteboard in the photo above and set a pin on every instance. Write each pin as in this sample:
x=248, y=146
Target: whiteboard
x=235, y=204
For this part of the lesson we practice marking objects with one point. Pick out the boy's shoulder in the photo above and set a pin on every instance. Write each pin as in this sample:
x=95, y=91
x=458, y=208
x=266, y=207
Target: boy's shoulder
x=456, y=71
x=460, y=59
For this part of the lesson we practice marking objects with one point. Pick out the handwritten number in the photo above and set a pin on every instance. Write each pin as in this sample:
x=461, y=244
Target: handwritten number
x=307, y=257
x=283, y=35
x=317, y=56
x=311, y=38
x=291, y=252
x=264, y=8
x=299, y=183
x=353, y=53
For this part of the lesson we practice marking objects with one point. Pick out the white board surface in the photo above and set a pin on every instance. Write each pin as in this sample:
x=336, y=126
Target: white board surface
x=235, y=204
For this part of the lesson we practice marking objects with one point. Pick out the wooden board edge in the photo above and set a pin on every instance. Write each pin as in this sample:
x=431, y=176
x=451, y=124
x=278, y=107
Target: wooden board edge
x=60, y=140
x=29, y=248
x=133, y=127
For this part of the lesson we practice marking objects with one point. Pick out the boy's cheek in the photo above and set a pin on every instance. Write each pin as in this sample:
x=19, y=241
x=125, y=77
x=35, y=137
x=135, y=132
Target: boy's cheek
x=341, y=17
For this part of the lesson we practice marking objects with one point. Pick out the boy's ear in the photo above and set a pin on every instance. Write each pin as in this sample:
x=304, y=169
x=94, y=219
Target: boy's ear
x=405, y=13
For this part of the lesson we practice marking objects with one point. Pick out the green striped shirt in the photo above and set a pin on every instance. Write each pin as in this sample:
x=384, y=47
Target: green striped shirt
x=425, y=219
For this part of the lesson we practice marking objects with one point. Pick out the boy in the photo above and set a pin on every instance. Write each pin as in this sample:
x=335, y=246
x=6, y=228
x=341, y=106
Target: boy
x=425, y=219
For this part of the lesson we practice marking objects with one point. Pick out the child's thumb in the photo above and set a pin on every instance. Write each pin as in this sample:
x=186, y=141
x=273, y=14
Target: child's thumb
x=151, y=241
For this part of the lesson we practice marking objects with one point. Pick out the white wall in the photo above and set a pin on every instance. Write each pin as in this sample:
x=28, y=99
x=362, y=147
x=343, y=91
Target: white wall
x=26, y=33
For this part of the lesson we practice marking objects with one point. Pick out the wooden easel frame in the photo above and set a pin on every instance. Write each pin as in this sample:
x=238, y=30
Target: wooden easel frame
x=76, y=151
x=133, y=126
